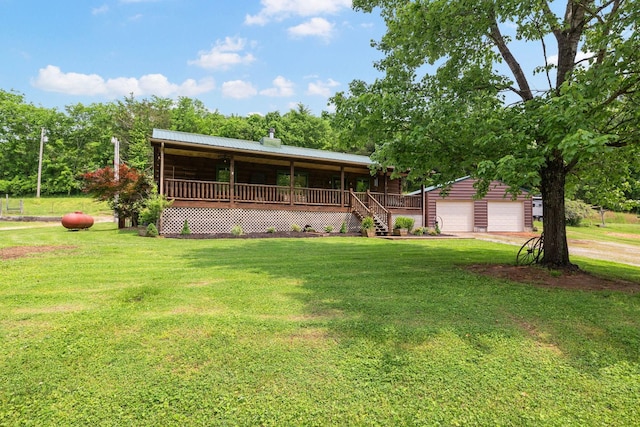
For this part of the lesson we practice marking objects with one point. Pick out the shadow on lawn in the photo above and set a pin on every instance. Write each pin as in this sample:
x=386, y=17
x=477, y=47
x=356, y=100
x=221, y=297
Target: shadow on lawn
x=404, y=293
x=363, y=288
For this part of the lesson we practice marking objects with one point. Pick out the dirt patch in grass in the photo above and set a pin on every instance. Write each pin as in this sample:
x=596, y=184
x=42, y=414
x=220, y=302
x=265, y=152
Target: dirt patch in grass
x=23, y=251
x=624, y=235
x=539, y=276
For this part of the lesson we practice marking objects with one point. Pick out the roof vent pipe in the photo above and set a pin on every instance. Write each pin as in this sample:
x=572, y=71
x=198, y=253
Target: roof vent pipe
x=272, y=132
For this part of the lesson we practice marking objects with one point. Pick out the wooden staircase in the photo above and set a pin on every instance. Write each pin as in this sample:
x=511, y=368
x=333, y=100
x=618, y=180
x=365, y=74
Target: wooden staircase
x=381, y=216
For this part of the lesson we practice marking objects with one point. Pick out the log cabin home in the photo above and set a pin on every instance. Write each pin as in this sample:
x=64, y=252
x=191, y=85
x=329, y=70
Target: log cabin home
x=217, y=183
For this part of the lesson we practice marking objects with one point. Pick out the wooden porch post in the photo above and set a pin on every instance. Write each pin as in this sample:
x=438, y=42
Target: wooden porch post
x=342, y=186
x=424, y=207
x=386, y=189
x=291, y=182
x=232, y=179
x=162, y=168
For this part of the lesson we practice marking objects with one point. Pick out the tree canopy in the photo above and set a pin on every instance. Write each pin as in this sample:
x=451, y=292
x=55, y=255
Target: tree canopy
x=535, y=93
x=79, y=138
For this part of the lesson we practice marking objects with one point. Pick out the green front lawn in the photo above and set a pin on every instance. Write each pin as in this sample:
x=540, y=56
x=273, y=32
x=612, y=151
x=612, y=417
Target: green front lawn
x=115, y=329
x=616, y=233
x=55, y=206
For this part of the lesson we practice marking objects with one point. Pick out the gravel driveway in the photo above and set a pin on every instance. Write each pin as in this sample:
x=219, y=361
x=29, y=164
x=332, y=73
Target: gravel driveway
x=607, y=251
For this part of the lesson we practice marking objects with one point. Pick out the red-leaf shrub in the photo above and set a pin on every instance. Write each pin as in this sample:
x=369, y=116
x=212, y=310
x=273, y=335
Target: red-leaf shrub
x=125, y=196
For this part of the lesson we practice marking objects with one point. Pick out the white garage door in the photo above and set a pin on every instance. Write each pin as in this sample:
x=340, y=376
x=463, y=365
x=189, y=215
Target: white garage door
x=505, y=216
x=455, y=216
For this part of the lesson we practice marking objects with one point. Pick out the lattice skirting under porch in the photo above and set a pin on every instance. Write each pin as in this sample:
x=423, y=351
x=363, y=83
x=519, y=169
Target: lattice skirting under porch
x=211, y=220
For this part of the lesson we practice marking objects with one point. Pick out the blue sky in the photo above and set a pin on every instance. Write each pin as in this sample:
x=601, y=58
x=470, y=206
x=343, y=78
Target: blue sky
x=239, y=57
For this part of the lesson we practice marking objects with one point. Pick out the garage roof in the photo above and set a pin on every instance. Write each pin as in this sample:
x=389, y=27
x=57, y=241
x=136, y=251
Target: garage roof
x=434, y=187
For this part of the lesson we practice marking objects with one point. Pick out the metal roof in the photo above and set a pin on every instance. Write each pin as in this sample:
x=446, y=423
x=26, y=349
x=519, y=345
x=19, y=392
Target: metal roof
x=434, y=187
x=256, y=147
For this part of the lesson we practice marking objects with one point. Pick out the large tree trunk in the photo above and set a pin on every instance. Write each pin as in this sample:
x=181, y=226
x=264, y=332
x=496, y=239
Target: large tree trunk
x=556, y=250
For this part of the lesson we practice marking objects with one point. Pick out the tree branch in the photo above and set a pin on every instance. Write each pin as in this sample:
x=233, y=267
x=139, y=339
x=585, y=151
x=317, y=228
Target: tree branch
x=568, y=40
x=614, y=11
x=550, y=17
x=624, y=90
x=544, y=53
x=525, y=91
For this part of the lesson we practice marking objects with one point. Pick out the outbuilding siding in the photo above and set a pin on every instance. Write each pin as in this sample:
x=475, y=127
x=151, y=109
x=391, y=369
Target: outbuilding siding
x=480, y=216
x=463, y=190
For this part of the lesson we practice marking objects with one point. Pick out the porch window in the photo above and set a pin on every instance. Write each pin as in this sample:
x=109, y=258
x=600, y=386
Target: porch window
x=335, y=182
x=362, y=184
x=223, y=174
x=300, y=179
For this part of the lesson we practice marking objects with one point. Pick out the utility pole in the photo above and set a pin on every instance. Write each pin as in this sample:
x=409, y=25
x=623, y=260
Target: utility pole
x=116, y=157
x=116, y=172
x=43, y=139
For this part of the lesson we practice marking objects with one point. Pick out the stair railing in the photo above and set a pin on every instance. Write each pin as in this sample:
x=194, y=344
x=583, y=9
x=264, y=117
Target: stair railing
x=380, y=212
x=358, y=206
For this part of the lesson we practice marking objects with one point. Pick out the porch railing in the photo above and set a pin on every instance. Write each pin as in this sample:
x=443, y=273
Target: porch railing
x=398, y=200
x=359, y=206
x=196, y=190
x=261, y=193
x=182, y=189
x=379, y=211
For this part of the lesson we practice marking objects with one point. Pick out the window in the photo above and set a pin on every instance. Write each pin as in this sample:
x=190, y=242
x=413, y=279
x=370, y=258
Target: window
x=223, y=174
x=335, y=183
x=362, y=184
x=301, y=179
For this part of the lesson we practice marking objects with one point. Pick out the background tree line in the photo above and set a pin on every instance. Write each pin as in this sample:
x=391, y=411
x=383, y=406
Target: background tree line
x=79, y=141
x=79, y=138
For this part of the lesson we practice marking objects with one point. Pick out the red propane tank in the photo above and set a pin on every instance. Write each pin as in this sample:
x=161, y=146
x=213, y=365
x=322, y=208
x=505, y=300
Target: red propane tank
x=77, y=221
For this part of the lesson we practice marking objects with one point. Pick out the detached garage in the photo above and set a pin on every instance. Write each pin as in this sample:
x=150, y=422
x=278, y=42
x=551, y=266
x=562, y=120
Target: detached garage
x=505, y=216
x=459, y=212
x=454, y=215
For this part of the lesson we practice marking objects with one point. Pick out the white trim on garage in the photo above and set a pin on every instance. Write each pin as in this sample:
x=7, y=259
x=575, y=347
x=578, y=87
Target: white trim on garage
x=505, y=216
x=454, y=215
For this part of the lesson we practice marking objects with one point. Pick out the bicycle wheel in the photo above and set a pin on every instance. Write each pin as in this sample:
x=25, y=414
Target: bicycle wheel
x=530, y=252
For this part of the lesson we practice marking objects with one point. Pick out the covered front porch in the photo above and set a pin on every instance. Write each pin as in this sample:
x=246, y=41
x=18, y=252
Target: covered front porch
x=198, y=171
x=184, y=191
x=382, y=207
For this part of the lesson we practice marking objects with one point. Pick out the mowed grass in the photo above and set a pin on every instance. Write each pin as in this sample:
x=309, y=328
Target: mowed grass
x=54, y=206
x=628, y=234
x=115, y=329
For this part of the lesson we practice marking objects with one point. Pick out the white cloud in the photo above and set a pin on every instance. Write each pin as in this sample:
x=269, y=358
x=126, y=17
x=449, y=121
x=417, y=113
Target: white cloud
x=281, y=88
x=318, y=27
x=238, y=89
x=580, y=56
x=224, y=55
x=52, y=79
x=320, y=88
x=281, y=9
x=191, y=87
x=100, y=10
